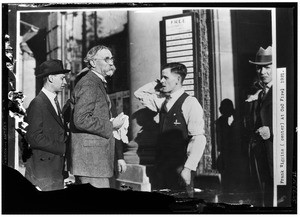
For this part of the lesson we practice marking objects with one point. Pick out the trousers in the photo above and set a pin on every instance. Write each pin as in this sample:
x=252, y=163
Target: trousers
x=97, y=182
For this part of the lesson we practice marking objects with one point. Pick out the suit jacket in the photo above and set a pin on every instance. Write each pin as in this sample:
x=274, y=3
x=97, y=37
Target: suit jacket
x=92, y=142
x=47, y=138
x=261, y=149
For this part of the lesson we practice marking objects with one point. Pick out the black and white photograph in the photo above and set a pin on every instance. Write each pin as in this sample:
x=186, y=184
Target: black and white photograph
x=149, y=108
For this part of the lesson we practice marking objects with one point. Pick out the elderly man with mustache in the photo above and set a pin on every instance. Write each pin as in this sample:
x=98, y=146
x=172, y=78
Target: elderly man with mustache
x=92, y=142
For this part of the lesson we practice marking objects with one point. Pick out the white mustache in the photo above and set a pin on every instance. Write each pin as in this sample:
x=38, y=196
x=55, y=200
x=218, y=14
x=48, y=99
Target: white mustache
x=113, y=68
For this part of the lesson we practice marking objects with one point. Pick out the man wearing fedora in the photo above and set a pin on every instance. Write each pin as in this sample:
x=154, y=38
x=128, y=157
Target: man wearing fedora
x=260, y=123
x=46, y=132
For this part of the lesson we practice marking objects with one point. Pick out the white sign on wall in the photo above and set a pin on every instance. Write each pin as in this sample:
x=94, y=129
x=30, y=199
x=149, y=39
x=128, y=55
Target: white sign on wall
x=178, y=25
x=180, y=45
x=281, y=150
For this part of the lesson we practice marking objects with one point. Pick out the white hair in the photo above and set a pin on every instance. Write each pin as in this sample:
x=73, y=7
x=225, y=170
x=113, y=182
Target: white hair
x=92, y=52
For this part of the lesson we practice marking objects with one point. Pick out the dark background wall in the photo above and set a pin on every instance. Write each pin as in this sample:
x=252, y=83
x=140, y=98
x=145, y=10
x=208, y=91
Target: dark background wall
x=251, y=29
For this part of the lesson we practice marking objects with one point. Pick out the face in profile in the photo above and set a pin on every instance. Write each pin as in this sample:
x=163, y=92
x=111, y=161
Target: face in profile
x=169, y=81
x=264, y=73
x=58, y=82
x=104, y=63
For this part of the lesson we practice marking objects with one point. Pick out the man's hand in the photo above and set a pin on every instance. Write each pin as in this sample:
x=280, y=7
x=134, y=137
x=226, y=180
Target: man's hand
x=264, y=132
x=118, y=121
x=158, y=85
x=186, y=175
x=122, y=166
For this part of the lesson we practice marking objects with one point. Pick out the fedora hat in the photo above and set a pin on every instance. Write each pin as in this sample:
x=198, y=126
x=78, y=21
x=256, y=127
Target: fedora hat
x=263, y=56
x=51, y=67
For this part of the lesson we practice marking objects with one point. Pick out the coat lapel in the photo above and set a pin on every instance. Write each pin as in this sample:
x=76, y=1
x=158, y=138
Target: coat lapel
x=101, y=85
x=50, y=108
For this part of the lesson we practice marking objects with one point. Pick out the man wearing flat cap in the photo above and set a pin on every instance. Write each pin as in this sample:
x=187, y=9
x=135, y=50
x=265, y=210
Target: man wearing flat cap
x=260, y=123
x=46, y=133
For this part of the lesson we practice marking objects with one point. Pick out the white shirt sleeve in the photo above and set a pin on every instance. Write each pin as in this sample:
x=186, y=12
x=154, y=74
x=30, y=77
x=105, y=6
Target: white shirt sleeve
x=193, y=114
x=149, y=97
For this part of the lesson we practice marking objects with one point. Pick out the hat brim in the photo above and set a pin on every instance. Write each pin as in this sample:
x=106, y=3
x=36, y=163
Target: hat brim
x=53, y=73
x=260, y=63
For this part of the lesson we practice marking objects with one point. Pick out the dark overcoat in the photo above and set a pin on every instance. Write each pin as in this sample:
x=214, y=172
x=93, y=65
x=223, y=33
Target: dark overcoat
x=261, y=151
x=47, y=138
x=92, y=142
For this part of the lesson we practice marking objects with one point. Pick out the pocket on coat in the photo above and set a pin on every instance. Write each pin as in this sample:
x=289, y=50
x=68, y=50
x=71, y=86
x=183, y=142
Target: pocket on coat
x=95, y=152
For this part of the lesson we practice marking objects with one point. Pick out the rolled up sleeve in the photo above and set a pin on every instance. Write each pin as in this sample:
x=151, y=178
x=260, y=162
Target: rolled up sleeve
x=149, y=97
x=194, y=117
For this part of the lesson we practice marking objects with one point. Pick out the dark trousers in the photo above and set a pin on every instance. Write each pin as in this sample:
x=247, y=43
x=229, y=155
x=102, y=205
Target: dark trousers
x=168, y=176
x=262, y=171
x=45, y=183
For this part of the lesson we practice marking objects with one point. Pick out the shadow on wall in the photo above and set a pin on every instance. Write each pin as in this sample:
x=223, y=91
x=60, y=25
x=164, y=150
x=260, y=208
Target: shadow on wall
x=147, y=136
x=142, y=149
x=232, y=158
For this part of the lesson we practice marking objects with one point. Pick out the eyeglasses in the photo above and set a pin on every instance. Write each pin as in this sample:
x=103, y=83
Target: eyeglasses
x=107, y=59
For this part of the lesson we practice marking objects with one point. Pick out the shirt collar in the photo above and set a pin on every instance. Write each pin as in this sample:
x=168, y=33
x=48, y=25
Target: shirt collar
x=49, y=94
x=269, y=85
x=99, y=75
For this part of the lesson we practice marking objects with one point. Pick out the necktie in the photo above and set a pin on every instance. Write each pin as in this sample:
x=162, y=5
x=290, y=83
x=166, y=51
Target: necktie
x=164, y=105
x=260, y=101
x=58, y=108
x=263, y=92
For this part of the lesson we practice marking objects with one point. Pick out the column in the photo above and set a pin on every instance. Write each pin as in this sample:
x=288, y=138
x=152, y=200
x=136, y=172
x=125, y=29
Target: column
x=144, y=42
